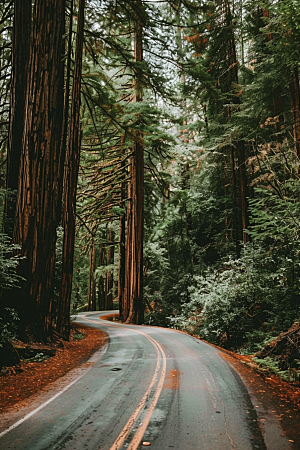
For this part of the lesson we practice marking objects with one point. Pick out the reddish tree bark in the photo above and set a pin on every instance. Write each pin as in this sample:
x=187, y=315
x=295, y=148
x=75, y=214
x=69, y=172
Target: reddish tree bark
x=101, y=290
x=109, y=281
x=92, y=281
x=122, y=237
x=70, y=184
x=128, y=253
x=19, y=70
x=37, y=214
x=135, y=219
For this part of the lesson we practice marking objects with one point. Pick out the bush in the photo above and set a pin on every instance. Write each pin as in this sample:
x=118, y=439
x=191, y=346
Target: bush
x=8, y=263
x=8, y=279
x=242, y=303
x=8, y=326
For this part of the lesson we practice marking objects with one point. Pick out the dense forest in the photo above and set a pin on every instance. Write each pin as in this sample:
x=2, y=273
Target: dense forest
x=149, y=158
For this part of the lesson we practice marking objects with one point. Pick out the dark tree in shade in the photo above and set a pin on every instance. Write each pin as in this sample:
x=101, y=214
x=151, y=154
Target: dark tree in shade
x=70, y=184
x=37, y=214
x=20, y=60
x=133, y=310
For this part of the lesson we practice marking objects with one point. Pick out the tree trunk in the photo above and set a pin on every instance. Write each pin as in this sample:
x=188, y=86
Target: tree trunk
x=235, y=221
x=70, y=184
x=92, y=282
x=243, y=189
x=136, y=310
x=109, y=284
x=128, y=253
x=66, y=108
x=122, y=232
x=295, y=106
x=121, y=272
x=101, y=290
x=37, y=214
x=278, y=102
x=19, y=70
x=233, y=82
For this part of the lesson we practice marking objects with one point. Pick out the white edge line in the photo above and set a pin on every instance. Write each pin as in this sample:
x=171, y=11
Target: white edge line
x=103, y=350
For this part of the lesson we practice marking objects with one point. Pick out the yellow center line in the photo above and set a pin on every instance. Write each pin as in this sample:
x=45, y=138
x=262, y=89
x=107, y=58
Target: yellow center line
x=141, y=430
x=138, y=436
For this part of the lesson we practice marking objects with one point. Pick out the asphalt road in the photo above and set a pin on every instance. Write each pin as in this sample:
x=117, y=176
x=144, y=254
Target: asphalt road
x=148, y=387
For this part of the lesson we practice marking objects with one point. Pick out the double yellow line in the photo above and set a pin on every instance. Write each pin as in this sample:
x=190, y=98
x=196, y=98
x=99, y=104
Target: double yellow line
x=158, y=380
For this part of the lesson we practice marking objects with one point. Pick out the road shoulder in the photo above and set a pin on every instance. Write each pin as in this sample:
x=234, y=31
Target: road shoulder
x=36, y=376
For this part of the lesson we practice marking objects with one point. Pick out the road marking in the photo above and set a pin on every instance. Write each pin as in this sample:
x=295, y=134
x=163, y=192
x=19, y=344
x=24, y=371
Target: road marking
x=46, y=403
x=32, y=413
x=126, y=430
x=135, y=442
x=138, y=436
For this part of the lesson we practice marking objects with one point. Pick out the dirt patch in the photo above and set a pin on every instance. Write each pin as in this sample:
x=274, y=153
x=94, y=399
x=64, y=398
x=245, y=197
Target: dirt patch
x=33, y=376
x=112, y=317
x=172, y=380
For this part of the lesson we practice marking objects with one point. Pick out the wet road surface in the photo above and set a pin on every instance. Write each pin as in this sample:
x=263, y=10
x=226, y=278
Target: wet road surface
x=148, y=386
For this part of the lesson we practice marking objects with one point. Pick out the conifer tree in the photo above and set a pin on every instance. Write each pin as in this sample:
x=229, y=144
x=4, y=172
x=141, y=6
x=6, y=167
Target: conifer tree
x=20, y=61
x=37, y=215
x=133, y=295
x=70, y=183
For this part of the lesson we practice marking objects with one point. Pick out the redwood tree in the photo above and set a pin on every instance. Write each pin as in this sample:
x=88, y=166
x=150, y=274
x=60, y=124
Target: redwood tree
x=70, y=184
x=133, y=310
x=20, y=60
x=37, y=215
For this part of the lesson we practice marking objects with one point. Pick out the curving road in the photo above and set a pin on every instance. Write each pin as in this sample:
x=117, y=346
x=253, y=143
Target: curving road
x=149, y=386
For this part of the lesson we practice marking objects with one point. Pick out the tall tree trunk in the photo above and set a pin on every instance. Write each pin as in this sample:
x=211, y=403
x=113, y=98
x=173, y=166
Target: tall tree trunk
x=295, y=106
x=101, y=290
x=109, y=284
x=136, y=311
x=66, y=108
x=278, y=102
x=37, y=214
x=233, y=79
x=235, y=221
x=243, y=189
x=70, y=184
x=128, y=252
x=122, y=242
x=92, y=282
x=19, y=70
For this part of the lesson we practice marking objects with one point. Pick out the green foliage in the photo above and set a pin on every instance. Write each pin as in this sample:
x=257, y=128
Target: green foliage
x=270, y=364
x=8, y=325
x=9, y=279
x=78, y=336
x=38, y=357
x=8, y=263
x=6, y=14
x=276, y=218
x=242, y=303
